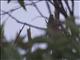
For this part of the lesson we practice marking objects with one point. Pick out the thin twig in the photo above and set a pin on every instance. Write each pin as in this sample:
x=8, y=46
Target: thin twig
x=38, y=10
x=59, y=8
x=48, y=6
x=29, y=33
x=20, y=22
x=67, y=4
x=19, y=33
x=12, y=10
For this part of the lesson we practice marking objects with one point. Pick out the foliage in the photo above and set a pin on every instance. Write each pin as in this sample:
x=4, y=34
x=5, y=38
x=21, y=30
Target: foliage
x=7, y=50
x=61, y=45
x=21, y=2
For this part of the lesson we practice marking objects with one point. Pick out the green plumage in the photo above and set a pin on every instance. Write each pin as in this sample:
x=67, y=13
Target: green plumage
x=57, y=37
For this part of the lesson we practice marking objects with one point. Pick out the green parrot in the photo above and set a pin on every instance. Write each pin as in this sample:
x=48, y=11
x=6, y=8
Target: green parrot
x=56, y=36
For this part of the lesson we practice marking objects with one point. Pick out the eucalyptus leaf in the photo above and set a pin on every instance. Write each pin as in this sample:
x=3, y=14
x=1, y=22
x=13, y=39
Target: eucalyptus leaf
x=9, y=1
x=70, y=23
x=21, y=2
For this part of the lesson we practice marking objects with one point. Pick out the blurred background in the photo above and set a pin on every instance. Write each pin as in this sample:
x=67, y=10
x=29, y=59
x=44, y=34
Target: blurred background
x=21, y=22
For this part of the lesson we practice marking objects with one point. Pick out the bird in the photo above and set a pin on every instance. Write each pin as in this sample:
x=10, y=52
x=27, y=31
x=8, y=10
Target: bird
x=52, y=25
x=56, y=36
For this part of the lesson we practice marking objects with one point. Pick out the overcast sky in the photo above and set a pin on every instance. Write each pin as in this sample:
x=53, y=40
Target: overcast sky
x=12, y=27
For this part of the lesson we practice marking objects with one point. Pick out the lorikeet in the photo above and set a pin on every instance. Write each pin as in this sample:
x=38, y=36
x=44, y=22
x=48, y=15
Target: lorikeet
x=56, y=36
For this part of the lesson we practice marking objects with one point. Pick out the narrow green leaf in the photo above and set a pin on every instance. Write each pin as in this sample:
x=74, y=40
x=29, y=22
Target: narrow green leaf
x=73, y=27
x=21, y=2
x=9, y=1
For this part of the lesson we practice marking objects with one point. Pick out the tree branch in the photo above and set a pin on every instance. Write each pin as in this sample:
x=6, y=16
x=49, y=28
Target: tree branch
x=19, y=33
x=12, y=10
x=38, y=10
x=48, y=6
x=20, y=22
